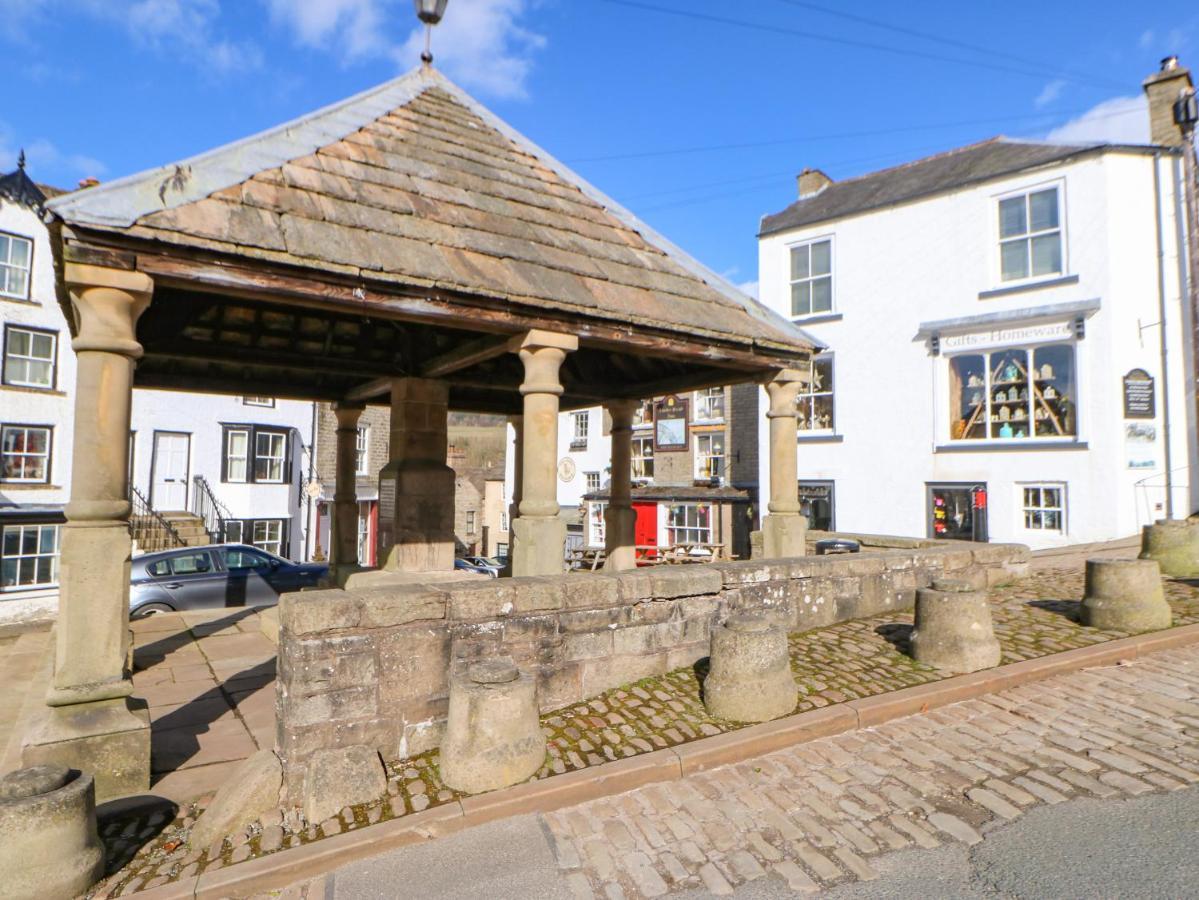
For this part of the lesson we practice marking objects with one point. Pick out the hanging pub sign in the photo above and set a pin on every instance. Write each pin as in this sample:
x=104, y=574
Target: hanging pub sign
x=670, y=424
x=1139, y=402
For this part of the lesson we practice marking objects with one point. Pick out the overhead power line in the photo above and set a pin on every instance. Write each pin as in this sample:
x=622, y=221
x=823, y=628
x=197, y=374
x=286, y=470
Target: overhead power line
x=851, y=42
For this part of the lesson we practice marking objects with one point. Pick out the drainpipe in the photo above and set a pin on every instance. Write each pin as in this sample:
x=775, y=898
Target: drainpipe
x=1161, y=308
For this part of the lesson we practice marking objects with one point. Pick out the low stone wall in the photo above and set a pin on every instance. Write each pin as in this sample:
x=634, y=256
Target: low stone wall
x=372, y=666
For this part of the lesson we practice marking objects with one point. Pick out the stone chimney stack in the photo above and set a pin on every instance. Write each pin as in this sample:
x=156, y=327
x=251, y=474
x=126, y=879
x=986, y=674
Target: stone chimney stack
x=1163, y=89
x=812, y=182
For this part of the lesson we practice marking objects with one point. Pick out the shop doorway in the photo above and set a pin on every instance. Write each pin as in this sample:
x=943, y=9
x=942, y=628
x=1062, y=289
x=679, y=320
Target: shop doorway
x=957, y=511
x=816, y=503
x=645, y=528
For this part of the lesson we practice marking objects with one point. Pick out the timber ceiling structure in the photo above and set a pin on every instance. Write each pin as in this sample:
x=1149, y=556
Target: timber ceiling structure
x=407, y=231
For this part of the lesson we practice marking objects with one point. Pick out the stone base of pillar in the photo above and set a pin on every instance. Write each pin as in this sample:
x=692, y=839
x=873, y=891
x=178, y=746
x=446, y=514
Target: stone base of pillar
x=109, y=739
x=620, y=526
x=416, y=517
x=539, y=545
x=1174, y=544
x=784, y=536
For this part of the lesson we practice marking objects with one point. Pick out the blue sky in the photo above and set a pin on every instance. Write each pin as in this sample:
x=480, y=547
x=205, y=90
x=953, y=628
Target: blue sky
x=696, y=121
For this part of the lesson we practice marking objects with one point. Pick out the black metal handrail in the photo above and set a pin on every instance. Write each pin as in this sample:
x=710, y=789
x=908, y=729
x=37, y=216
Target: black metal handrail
x=209, y=509
x=148, y=528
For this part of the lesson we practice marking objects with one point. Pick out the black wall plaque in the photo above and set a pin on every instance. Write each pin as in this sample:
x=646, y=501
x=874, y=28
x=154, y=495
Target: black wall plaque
x=1139, y=399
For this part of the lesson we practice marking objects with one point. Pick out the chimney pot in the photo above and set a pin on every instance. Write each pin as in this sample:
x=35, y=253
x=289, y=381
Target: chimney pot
x=1170, y=63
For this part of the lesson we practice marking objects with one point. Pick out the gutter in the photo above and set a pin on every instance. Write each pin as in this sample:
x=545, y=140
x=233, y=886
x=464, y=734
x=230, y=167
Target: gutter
x=1162, y=337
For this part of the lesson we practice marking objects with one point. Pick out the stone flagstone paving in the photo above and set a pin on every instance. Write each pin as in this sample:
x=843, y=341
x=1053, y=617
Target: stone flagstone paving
x=1034, y=617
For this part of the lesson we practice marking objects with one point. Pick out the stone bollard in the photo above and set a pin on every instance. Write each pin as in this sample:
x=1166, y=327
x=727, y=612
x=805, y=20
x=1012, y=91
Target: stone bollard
x=1174, y=544
x=953, y=627
x=1125, y=595
x=493, y=736
x=750, y=678
x=49, y=846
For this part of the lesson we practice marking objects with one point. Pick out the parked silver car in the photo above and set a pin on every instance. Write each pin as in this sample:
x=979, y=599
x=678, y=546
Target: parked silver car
x=215, y=576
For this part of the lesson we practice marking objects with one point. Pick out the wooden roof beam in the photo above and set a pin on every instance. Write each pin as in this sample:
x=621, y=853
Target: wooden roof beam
x=464, y=356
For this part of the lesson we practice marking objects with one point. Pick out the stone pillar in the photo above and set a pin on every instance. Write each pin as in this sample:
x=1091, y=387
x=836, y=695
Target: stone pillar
x=783, y=529
x=620, y=541
x=91, y=725
x=343, y=543
x=1125, y=595
x=539, y=535
x=49, y=846
x=953, y=628
x=1174, y=544
x=416, y=488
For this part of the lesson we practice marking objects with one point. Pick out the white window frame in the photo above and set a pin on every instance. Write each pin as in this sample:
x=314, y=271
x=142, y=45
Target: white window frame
x=591, y=481
x=645, y=444
x=704, y=405
x=245, y=458
x=271, y=544
x=580, y=430
x=47, y=456
x=268, y=402
x=694, y=533
x=1026, y=510
x=7, y=265
x=704, y=455
x=364, y=531
x=270, y=457
x=806, y=399
x=596, y=525
x=23, y=558
x=998, y=240
x=362, y=450
x=503, y=520
x=809, y=278
x=9, y=356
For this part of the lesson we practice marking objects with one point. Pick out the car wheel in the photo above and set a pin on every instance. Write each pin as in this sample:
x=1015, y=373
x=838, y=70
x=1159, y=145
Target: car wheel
x=149, y=609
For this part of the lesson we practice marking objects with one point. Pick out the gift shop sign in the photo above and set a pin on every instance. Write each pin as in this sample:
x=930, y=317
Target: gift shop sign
x=1004, y=337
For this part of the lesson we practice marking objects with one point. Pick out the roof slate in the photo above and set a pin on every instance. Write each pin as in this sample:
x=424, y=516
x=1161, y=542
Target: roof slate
x=416, y=184
x=956, y=168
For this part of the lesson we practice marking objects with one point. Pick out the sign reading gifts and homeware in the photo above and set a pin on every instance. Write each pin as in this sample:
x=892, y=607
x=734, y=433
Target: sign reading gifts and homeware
x=1003, y=337
x=670, y=424
x=1139, y=400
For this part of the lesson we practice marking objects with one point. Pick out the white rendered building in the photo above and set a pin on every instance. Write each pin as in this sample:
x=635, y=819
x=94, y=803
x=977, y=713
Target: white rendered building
x=254, y=463
x=1010, y=351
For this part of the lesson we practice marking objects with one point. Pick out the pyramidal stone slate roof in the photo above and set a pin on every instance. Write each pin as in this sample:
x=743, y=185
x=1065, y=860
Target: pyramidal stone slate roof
x=963, y=166
x=416, y=184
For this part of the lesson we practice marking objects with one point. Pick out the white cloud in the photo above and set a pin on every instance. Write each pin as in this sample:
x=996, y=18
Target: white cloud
x=1049, y=93
x=1120, y=120
x=480, y=42
x=749, y=287
x=1146, y=39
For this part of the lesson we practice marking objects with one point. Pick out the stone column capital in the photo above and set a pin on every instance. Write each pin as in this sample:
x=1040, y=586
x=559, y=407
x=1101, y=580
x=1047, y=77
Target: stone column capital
x=783, y=389
x=107, y=304
x=348, y=414
x=622, y=411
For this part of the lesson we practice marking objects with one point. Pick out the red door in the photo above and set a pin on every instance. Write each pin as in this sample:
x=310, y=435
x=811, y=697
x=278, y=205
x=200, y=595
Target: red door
x=645, y=531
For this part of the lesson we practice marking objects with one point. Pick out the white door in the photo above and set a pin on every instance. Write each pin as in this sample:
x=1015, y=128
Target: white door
x=169, y=491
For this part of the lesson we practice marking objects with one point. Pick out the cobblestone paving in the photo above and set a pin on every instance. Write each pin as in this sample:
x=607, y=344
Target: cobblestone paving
x=817, y=814
x=1034, y=617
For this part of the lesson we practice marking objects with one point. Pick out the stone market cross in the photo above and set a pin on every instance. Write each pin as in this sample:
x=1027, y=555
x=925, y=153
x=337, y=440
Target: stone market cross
x=402, y=246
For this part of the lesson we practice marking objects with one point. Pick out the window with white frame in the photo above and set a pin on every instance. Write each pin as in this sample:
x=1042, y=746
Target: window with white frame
x=258, y=401
x=592, y=481
x=595, y=523
x=254, y=453
x=503, y=520
x=1017, y=393
x=362, y=450
x=237, y=455
x=270, y=450
x=28, y=556
x=581, y=425
x=1044, y=507
x=364, y=532
x=689, y=523
x=268, y=535
x=29, y=356
x=709, y=455
x=1030, y=235
x=15, y=256
x=709, y=404
x=643, y=457
x=815, y=401
x=812, y=278
x=25, y=453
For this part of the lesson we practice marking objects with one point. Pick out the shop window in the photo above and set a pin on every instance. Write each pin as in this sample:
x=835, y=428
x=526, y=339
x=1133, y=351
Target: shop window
x=812, y=278
x=15, y=255
x=28, y=556
x=1014, y=394
x=595, y=523
x=25, y=453
x=709, y=455
x=709, y=404
x=689, y=523
x=1044, y=507
x=29, y=357
x=581, y=423
x=1030, y=235
x=815, y=402
x=816, y=503
x=643, y=458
